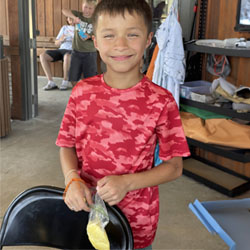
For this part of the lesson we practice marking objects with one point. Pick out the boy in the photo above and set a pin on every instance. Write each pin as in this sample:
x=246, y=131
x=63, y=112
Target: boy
x=83, y=59
x=112, y=122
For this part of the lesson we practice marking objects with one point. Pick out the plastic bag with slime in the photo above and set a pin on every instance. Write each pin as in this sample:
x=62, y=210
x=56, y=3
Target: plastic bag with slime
x=98, y=219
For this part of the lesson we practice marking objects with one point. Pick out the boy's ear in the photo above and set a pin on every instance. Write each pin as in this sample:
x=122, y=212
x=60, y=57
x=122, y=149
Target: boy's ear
x=95, y=42
x=149, y=39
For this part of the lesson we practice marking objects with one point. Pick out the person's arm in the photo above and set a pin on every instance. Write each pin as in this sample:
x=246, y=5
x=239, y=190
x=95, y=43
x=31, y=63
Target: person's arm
x=77, y=191
x=69, y=13
x=112, y=189
x=60, y=37
x=59, y=41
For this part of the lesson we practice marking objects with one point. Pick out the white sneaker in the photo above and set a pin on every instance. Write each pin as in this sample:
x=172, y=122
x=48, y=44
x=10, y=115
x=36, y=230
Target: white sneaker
x=64, y=85
x=50, y=85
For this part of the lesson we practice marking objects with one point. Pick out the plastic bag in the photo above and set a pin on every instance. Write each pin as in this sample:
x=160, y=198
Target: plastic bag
x=218, y=65
x=98, y=219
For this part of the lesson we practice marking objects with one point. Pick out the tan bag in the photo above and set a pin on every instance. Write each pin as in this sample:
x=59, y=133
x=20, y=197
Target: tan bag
x=222, y=132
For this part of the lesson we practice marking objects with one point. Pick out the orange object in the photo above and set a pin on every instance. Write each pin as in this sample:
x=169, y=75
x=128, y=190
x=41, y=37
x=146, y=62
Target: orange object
x=151, y=66
x=67, y=187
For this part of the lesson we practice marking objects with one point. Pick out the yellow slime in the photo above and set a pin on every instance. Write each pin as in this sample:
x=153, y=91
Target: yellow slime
x=97, y=236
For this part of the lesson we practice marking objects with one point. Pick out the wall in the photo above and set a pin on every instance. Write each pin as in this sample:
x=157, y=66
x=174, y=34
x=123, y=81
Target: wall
x=186, y=17
x=49, y=15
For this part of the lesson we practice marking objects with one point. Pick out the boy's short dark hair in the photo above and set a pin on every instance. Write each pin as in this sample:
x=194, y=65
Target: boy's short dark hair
x=89, y=1
x=114, y=7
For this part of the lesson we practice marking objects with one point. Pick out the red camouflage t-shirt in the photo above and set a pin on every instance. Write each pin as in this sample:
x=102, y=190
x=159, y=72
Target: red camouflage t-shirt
x=115, y=131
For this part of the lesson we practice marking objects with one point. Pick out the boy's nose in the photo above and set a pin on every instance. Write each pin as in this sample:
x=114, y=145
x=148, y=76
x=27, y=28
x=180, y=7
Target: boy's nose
x=121, y=43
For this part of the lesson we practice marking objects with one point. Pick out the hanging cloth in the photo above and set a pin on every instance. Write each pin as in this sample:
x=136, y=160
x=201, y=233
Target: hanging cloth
x=169, y=70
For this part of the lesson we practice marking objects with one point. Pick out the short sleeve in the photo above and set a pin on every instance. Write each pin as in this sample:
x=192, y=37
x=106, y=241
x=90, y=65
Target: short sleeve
x=66, y=136
x=170, y=133
x=61, y=32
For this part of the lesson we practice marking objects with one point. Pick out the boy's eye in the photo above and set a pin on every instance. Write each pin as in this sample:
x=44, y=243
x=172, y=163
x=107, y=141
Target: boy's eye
x=108, y=36
x=133, y=35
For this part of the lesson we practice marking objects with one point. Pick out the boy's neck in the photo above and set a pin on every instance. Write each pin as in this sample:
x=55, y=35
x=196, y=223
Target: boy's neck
x=86, y=16
x=122, y=81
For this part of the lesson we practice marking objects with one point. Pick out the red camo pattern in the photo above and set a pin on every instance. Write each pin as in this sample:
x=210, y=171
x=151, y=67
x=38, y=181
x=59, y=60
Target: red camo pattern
x=115, y=131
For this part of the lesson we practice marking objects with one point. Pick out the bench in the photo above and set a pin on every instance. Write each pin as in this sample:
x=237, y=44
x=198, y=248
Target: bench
x=43, y=43
x=47, y=43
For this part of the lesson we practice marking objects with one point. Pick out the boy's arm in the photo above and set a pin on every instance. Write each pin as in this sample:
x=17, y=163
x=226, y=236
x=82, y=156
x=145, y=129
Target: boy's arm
x=77, y=191
x=69, y=13
x=68, y=160
x=60, y=40
x=164, y=172
x=112, y=189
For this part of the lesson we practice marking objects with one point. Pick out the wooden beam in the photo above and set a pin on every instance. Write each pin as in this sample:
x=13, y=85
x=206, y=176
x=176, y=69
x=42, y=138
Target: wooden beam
x=16, y=109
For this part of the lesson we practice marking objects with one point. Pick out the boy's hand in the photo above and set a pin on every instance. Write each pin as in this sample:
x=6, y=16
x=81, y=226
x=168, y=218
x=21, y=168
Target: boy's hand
x=87, y=36
x=112, y=189
x=78, y=197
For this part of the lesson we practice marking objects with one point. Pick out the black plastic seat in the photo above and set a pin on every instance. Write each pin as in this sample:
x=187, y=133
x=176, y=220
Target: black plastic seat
x=39, y=217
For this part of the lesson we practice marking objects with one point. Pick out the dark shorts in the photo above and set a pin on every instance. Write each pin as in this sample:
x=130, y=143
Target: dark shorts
x=58, y=54
x=82, y=63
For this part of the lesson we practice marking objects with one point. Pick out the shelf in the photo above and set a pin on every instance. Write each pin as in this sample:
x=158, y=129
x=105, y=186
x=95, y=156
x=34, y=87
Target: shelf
x=223, y=182
x=216, y=176
x=239, y=52
x=236, y=155
x=219, y=110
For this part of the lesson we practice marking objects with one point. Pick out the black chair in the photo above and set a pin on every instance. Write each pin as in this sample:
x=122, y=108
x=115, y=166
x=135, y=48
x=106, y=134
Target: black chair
x=39, y=217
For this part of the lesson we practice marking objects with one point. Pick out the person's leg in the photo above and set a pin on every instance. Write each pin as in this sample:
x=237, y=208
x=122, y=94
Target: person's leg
x=66, y=64
x=75, y=69
x=45, y=60
x=89, y=64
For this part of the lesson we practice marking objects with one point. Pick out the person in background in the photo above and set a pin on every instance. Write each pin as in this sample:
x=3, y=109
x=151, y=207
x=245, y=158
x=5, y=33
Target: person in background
x=64, y=41
x=84, y=56
x=113, y=121
x=158, y=10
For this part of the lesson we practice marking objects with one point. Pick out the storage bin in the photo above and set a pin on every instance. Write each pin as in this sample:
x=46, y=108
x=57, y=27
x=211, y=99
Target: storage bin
x=194, y=86
x=230, y=219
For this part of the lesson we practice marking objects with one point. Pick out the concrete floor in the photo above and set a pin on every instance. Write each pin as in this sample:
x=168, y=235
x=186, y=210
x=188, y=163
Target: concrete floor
x=29, y=158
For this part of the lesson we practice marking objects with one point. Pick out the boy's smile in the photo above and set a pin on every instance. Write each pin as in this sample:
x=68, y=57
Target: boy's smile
x=121, y=41
x=120, y=58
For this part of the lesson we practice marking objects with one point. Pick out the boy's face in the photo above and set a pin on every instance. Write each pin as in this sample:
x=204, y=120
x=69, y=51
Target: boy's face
x=87, y=9
x=121, y=41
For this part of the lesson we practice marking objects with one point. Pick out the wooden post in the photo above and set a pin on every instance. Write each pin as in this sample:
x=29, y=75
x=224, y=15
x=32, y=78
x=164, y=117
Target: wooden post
x=5, y=125
x=16, y=109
